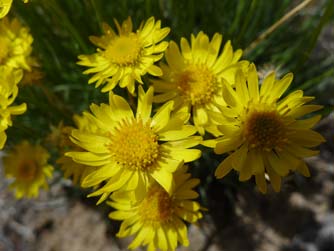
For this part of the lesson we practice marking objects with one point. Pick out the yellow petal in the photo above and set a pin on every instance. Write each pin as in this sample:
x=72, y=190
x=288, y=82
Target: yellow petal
x=267, y=84
x=246, y=172
x=144, y=103
x=261, y=182
x=100, y=175
x=187, y=155
x=161, y=118
x=18, y=109
x=224, y=167
x=182, y=133
x=90, y=142
x=170, y=165
x=282, y=85
x=300, y=151
x=181, y=231
x=117, y=181
x=303, y=110
x=119, y=107
x=173, y=56
x=139, y=239
x=121, y=215
x=89, y=159
x=307, y=138
x=3, y=138
x=164, y=178
x=303, y=169
x=275, y=179
x=253, y=83
x=5, y=6
x=161, y=239
x=171, y=237
x=154, y=70
x=241, y=87
x=227, y=145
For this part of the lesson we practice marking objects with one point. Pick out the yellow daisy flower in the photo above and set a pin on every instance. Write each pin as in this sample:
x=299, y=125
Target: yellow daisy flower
x=27, y=165
x=264, y=133
x=5, y=6
x=128, y=149
x=157, y=218
x=193, y=77
x=124, y=57
x=8, y=92
x=15, y=44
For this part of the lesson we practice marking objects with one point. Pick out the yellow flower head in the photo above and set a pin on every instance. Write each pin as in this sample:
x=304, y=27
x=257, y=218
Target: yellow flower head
x=193, y=77
x=27, y=165
x=8, y=92
x=124, y=57
x=15, y=44
x=157, y=218
x=72, y=169
x=129, y=149
x=263, y=132
x=5, y=6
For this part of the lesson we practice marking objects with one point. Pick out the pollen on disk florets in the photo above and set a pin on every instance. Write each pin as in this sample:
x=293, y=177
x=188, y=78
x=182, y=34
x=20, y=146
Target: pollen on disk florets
x=124, y=50
x=134, y=145
x=157, y=206
x=197, y=84
x=265, y=130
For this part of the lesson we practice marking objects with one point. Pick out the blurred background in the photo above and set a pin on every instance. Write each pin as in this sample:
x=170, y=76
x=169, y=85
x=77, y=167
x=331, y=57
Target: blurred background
x=239, y=218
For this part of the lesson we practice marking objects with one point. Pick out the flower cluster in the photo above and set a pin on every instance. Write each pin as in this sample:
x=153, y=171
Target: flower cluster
x=136, y=158
x=25, y=163
x=132, y=152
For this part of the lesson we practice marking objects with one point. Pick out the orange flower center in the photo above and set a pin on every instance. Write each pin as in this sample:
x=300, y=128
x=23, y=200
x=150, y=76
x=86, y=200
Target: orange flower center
x=157, y=206
x=27, y=170
x=197, y=84
x=265, y=130
x=134, y=145
x=124, y=50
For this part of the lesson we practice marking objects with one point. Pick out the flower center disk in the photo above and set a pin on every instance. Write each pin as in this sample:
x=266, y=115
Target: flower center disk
x=27, y=170
x=124, y=50
x=197, y=84
x=265, y=130
x=134, y=145
x=157, y=206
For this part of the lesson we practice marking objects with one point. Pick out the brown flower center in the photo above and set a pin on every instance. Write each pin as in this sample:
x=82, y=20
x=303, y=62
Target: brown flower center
x=265, y=130
x=157, y=206
x=27, y=170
